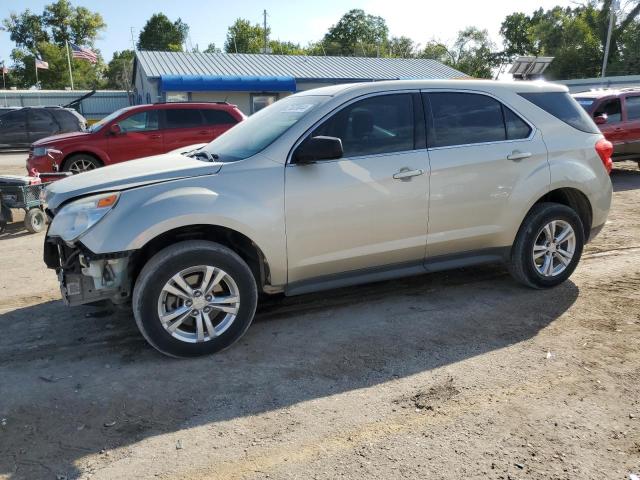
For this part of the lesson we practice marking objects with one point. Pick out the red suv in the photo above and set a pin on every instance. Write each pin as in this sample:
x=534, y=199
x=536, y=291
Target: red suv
x=133, y=132
x=617, y=114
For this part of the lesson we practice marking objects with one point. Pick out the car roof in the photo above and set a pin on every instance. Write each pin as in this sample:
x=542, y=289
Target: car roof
x=171, y=105
x=457, y=84
x=606, y=92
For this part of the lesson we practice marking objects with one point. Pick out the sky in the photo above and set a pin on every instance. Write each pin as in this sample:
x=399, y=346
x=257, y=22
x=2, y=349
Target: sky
x=298, y=21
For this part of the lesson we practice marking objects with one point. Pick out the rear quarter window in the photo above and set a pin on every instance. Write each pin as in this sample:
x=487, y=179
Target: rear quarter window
x=562, y=106
x=218, y=117
x=68, y=121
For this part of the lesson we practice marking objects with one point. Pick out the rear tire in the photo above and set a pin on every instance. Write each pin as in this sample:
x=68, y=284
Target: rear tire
x=34, y=220
x=81, y=163
x=194, y=298
x=548, y=246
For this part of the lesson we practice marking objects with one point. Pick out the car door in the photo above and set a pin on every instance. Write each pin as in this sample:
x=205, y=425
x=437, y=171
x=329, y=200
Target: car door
x=184, y=126
x=13, y=129
x=219, y=121
x=614, y=129
x=40, y=124
x=632, y=135
x=139, y=137
x=367, y=210
x=480, y=151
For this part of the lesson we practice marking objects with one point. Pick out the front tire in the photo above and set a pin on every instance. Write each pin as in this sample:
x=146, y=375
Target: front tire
x=194, y=298
x=548, y=246
x=81, y=163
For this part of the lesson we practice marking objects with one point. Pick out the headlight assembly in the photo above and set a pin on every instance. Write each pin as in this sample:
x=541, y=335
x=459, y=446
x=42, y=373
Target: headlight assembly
x=39, y=151
x=75, y=219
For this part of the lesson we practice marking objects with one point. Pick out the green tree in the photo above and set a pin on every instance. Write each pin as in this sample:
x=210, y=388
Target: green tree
x=286, y=48
x=575, y=37
x=357, y=34
x=243, y=37
x=472, y=53
x=159, y=33
x=402, y=47
x=45, y=35
x=211, y=48
x=85, y=74
x=120, y=70
x=74, y=24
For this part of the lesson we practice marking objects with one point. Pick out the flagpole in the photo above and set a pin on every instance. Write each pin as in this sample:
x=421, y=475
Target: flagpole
x=69, y=62
x=35, y=64
x=4, y=86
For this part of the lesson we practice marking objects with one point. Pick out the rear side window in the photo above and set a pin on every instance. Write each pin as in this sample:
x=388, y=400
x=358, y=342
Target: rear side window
x=633, y=108
x=183, y=117
x=464, y=118
x=562, y=106
x=218, y=117
x=516, y=127
x=68, y=121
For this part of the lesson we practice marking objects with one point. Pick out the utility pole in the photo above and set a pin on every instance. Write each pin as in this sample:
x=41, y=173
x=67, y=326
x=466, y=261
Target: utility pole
x=133, y=43
x=612, y=20
x=266, y=43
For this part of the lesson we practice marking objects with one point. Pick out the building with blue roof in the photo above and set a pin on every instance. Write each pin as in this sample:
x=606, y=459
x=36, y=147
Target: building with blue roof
x=253, y=81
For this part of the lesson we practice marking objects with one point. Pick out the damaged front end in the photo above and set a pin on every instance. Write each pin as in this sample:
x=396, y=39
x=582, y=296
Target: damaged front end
x=86, y=277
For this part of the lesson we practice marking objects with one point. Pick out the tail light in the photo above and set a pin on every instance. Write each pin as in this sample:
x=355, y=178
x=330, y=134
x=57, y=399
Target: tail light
x=604, y=149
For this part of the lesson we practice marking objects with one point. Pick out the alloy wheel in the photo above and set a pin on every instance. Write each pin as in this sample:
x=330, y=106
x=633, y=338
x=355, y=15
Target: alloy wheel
x=81, y=165
x=554, y=248
x=198, y=303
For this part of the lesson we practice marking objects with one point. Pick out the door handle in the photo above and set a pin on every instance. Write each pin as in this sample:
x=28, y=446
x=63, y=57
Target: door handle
x=154, y=137
x=406, y=174
x=518, y=155
x=203, y=132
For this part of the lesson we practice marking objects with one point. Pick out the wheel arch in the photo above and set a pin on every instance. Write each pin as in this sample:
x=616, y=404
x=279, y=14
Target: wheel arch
x=90, y=153
x=574, y=199
x=246, y=248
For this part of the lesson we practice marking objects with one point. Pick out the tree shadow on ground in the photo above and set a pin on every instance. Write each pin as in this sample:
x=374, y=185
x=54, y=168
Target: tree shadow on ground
x=67, y=375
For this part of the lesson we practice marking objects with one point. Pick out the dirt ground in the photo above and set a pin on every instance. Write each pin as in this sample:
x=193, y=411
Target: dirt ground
x=456, y=375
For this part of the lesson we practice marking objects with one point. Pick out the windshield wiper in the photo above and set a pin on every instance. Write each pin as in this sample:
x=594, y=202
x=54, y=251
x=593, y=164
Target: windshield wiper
x=211, y=157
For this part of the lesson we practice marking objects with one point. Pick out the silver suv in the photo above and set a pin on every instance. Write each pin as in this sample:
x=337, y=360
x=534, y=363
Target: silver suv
x=333, y=187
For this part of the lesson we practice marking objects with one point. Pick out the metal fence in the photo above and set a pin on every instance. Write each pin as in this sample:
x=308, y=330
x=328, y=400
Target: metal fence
x=97, y=106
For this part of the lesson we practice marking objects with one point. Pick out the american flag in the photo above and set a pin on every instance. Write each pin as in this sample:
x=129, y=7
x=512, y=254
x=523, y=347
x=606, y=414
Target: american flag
x=83, y=53
x=41, y=64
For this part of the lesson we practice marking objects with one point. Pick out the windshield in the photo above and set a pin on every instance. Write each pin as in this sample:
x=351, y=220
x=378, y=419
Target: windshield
x=98, y=125
x=585, y=102
x=262, y=128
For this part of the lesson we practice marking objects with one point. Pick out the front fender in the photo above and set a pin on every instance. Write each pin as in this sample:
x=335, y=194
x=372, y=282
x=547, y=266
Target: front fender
x=143, y=214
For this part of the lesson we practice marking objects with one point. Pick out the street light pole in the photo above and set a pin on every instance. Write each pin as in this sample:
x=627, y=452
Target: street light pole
x=612, y=19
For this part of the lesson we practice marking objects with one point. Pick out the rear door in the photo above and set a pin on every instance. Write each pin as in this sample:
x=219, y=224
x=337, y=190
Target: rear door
x=41, y=124
x=632, y=139
x=184, y=126
x=480, y=152
x=13, y=129
x=615, y=129
x=139, y=137
x=219, y=121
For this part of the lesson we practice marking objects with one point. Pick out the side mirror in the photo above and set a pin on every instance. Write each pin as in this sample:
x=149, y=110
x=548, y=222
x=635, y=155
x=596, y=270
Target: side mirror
x=115, y=129
x=318, y=148
x=601, y=119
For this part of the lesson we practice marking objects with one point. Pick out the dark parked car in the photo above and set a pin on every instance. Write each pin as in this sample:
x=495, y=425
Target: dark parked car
x=617, y=114
x=20, y=128
x=134, y=132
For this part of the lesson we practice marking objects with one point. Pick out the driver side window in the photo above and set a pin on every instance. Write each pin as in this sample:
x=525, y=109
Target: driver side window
x=140, y=122
x=612, y=109
x=375, y=125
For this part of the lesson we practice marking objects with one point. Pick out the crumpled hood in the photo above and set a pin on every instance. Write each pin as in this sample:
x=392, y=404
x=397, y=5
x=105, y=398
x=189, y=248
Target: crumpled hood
x=125, y=175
